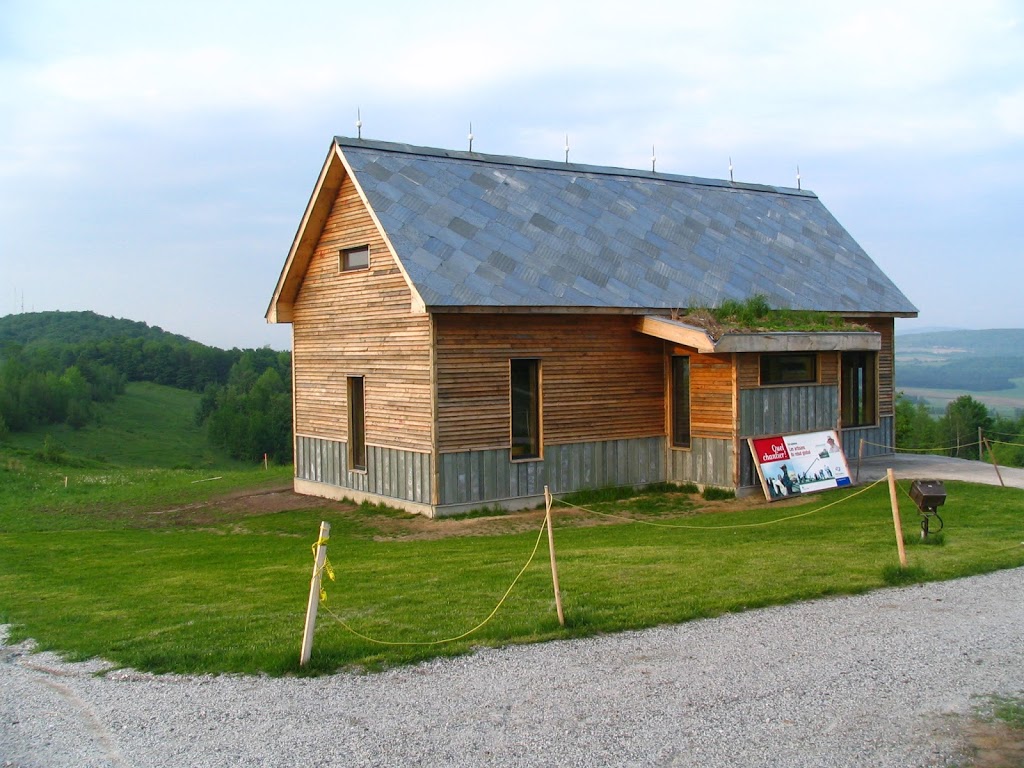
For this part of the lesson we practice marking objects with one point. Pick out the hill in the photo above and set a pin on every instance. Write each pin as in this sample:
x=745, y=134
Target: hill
x=940, y=366
x=41, y=328
x=942, y=345
x=150, y=425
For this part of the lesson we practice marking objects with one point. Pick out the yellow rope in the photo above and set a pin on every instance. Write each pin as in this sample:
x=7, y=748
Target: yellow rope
x=722, y=527
x=922, y=450
x=508, y=591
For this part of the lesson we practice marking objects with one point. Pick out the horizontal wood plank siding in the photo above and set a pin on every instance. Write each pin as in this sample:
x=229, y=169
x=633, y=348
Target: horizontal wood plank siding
x=707, y=462
x=390, y=473
x=359, y=323
x=488, y=476
x=711, y=400
x=886, y=363
x=600, y=379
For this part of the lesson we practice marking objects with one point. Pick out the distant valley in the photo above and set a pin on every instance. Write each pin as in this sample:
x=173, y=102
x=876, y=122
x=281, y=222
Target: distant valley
x=940, y=366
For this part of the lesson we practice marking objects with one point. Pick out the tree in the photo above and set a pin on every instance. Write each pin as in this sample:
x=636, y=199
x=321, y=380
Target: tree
x=964, y=416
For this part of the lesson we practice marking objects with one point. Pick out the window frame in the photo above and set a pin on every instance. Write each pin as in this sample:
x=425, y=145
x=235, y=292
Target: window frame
x=770, y=363
x=356, y=393
x=858, y=400
x=534, y=408
x=678, y=405
x=344, y=258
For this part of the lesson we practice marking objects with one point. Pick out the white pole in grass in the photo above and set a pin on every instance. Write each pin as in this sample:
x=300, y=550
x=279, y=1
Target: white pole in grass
x=314, y=593
x=554, y=564
x=896, y=518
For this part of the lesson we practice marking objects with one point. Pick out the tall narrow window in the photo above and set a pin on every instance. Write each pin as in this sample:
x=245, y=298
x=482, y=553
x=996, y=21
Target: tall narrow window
x=680, y=402
x=859, y=407
x=356, y=424
x=524, y=378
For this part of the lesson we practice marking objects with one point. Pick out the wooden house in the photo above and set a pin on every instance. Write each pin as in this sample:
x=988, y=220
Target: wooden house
x=468, y=328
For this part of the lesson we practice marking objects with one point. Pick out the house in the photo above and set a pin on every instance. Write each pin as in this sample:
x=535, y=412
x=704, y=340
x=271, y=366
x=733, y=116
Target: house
x=468, y=328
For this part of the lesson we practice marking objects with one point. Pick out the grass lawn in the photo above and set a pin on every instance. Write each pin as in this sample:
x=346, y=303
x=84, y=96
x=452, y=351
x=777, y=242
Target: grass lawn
x=108, y=572
x=148, y=426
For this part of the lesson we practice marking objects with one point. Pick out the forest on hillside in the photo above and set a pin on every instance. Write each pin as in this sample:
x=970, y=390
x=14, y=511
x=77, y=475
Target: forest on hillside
x=54, y=366
x=969, y=361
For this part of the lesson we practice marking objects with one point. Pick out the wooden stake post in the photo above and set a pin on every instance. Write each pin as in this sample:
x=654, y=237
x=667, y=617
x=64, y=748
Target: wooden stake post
x=896, y=518
x=554, y=564
x=314, y=593
x=992, y=455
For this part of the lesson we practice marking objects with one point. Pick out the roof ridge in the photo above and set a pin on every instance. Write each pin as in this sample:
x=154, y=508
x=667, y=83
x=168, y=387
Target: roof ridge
x=554, y=165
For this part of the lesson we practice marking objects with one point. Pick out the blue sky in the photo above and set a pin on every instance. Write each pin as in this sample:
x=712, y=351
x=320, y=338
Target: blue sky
x=155, y=159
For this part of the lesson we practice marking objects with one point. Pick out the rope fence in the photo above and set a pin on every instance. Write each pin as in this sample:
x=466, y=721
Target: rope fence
x=323, y=567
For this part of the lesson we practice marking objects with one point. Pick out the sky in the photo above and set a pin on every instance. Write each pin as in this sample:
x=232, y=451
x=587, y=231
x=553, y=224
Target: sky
x=156, y=158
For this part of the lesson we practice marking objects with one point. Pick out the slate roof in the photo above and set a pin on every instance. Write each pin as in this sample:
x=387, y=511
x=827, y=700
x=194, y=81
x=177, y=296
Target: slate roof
x=475, y=230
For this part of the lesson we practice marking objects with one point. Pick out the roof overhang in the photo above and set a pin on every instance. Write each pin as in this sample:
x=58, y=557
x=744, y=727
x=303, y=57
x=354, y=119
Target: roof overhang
x=767, y=341
x=304, y=244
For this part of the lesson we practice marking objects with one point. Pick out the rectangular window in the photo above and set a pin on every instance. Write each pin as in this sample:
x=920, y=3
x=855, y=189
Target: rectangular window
x=524, y=388
x=356, y=424
x=859, y=406
x=680, y=402
x=354, y=258
x=789, y=368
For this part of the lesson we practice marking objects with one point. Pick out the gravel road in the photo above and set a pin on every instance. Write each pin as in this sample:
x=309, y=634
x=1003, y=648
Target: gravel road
x=883, y=679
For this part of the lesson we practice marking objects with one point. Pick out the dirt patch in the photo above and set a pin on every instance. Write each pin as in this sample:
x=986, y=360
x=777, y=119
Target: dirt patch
x=244, y=503
x=996, y=745
x=390, y=525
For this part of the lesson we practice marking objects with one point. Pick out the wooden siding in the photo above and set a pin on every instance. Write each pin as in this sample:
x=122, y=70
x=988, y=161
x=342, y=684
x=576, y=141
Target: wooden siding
x=707, y=462
x=360, y=323
x=600, y=379
x=878, y=440
x=711, y=396
x=886, y=363
x=390, y=473
x=488, y=476
x=787, y=410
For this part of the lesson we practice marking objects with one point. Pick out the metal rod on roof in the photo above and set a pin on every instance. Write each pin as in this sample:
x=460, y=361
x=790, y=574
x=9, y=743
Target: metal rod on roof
x=654, y=160
x=470, y=135
x=798, y=177
x=730, y=169
x=359, y=124
x=567, y=148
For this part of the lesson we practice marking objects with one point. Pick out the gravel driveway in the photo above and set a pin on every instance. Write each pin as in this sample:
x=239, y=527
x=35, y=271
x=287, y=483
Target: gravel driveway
x=883, y=679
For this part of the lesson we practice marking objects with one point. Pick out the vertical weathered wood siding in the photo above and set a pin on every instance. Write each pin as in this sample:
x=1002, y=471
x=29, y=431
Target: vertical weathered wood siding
x=785, y=410
x=360, y=323
x=483, y=477
x=390, y=473
x=709, y=461
x=600, y=380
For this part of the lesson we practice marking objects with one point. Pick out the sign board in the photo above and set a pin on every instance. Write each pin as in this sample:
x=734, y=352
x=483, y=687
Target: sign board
x=792, y=464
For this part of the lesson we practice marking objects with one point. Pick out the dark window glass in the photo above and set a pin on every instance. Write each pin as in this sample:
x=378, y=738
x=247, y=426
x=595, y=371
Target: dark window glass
x=859, y=407
x=356, y=424
x=355, y=258
x=789, y=368
x=524, y=376
x=681, y=402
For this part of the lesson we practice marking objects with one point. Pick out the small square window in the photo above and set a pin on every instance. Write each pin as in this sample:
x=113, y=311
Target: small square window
x=354, y=258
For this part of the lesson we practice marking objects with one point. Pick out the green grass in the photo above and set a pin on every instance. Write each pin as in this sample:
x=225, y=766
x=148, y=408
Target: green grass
x=148, y=426
x=96, y=575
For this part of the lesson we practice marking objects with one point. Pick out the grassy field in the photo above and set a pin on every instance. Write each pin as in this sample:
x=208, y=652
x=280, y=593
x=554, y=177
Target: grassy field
x=142, y=567
x=1006, y=401
x=149, y=426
